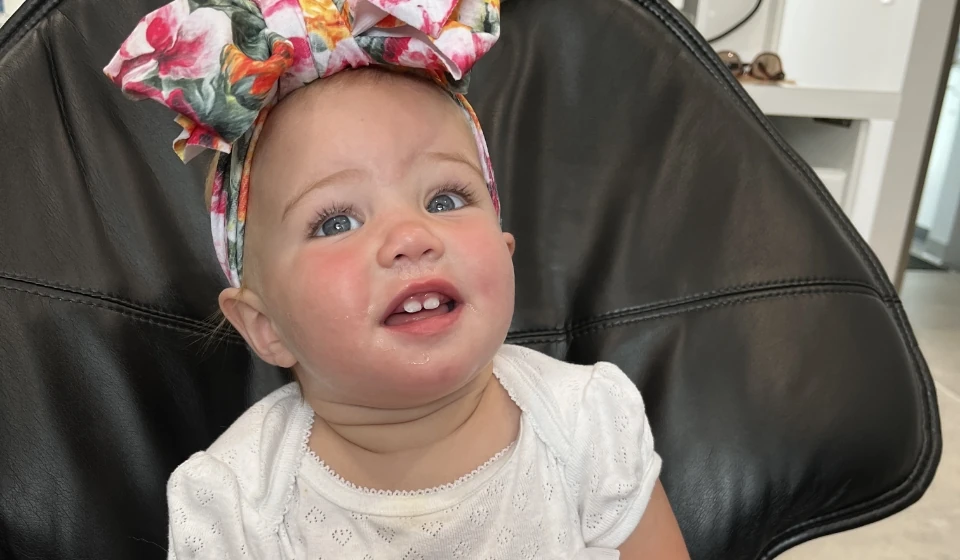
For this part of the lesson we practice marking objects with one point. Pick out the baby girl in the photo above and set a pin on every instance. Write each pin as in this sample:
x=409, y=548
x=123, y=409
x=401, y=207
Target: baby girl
x=355, y=214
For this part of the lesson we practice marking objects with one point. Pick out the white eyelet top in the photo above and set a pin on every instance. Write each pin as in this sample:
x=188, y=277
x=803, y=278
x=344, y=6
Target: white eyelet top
x=574, y=484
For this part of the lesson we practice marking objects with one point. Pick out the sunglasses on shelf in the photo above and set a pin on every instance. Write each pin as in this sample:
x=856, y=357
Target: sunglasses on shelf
x=766, y=67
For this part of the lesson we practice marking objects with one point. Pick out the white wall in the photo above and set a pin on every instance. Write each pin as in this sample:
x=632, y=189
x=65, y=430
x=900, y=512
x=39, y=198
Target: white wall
x=848, y=44
x=946, y=149
x=843, y=44
x=942, y=229
x=941, y=191
x=940, y=155
x=756, y=36
x=9, y=6
x=894, y=216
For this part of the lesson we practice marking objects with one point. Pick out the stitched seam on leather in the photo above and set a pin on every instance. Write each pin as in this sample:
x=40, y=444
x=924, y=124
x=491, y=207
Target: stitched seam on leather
x=795, y=292
x=130, y=313
x=97, y=294
x=892, y=498
x=23, y=21
x=855, y=515
x=741, y=289
x=844, y=514
x=655, y=8
x=62, y=109
x=146, y=308
x=559, y=337
x=683, y=300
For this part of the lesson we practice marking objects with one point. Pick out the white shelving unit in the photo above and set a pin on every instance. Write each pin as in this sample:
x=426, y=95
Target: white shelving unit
x=851, y=105
x=806, y=101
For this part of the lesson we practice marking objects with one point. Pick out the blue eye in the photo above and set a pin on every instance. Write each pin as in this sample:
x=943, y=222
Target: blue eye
x=336, y=225
x=445, y=202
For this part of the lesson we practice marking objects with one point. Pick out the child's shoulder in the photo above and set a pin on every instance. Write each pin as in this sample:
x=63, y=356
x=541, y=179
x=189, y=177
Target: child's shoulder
x=566, y=382
x=262, y=445
x=262, y=426
x=568, y=397
x=593, y=419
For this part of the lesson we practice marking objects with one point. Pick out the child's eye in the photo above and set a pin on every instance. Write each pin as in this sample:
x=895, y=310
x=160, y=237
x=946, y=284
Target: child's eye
x=445, y=202
x=336, y=225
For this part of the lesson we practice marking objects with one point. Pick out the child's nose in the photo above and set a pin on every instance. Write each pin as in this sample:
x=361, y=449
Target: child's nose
x=409, y=242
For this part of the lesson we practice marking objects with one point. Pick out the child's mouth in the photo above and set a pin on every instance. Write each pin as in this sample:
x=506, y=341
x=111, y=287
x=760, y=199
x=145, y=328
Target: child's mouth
x=420, y=307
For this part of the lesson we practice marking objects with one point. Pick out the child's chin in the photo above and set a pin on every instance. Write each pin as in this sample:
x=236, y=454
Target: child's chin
x=435, y=373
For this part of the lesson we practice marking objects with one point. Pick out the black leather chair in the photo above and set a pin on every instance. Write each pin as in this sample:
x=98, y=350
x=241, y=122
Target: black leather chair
x=662, y=225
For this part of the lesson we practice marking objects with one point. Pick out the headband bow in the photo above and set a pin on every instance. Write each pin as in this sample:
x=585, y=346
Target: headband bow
x=221, y=64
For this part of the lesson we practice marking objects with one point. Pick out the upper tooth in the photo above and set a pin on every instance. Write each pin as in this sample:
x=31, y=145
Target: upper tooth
x=412, y=306
x=432, y=302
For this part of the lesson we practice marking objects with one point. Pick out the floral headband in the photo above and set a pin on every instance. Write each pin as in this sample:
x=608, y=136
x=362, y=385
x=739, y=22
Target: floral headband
x=222, y=64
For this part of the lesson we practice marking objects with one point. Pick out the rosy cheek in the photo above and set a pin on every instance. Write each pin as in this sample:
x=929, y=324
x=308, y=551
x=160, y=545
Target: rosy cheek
x=487, y=259
x=328, y=290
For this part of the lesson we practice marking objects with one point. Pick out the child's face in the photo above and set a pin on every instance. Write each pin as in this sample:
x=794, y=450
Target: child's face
x=363, y=193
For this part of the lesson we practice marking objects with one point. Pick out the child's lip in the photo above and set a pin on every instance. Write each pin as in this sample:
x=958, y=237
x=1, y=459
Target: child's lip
x=436, y=324
x=441, y=299
x=434, y=285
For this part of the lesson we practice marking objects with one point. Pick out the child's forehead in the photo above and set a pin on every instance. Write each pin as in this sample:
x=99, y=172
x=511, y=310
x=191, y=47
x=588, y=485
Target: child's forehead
x=377, y=124
x=349, y=91
x=366, y=109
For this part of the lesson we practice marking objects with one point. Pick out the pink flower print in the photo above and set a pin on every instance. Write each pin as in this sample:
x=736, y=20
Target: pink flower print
x=272, y=8
x=160, y=34
x=429, y=16
x=411, y=53
x=170, y=44
x=137, y=44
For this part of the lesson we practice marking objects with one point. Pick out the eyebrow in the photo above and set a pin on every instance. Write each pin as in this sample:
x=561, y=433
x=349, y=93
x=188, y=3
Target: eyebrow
x=342, y=175
x=454, y=157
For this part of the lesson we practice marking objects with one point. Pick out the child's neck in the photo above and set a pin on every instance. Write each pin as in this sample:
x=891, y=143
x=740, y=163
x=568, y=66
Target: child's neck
x=386, y=431
x=419, y=447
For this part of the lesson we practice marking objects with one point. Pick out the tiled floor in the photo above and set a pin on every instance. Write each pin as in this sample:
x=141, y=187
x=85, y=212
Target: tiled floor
x=929, y=530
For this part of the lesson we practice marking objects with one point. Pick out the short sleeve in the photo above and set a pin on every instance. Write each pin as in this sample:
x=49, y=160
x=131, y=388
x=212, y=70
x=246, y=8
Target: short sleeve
x=615, y=467
x=207, y=517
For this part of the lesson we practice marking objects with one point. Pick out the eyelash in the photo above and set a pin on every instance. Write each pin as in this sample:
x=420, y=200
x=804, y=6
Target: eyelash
x=459, y=189
x=336, y=209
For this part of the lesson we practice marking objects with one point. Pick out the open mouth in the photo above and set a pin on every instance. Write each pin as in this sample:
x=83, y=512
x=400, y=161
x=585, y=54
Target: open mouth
x=421, y=302
x=420, y=307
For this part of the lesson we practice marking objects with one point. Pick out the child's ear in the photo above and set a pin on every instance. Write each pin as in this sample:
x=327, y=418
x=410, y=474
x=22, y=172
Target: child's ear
x=510, y=241
x=244, y=309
